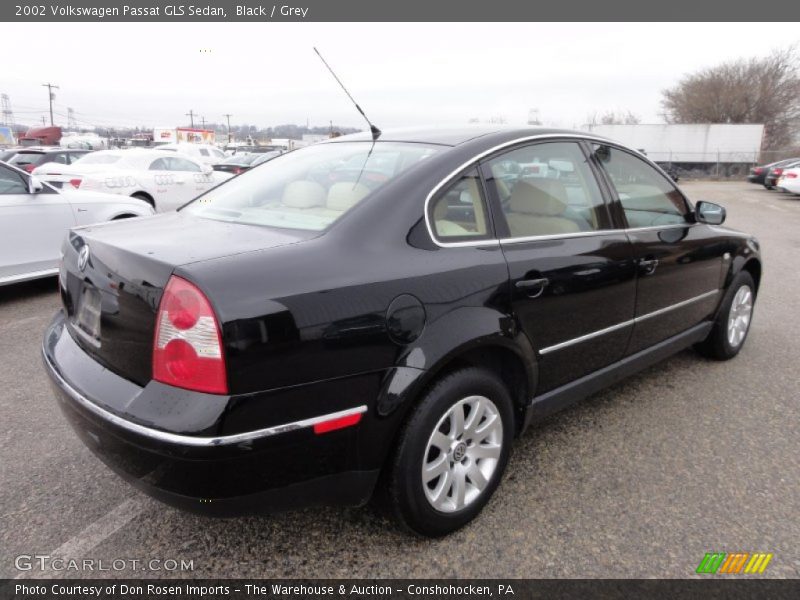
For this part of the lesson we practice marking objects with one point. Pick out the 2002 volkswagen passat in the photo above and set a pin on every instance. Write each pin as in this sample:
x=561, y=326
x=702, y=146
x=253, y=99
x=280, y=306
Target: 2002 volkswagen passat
x=398, y=308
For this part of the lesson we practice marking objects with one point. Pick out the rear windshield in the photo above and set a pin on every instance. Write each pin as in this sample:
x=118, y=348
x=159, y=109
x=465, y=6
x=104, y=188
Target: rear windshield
x=309, y=188
x=27, y=158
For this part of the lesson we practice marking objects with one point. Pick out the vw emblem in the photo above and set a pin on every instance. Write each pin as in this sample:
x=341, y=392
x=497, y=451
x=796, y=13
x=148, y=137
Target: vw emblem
x=83, y=257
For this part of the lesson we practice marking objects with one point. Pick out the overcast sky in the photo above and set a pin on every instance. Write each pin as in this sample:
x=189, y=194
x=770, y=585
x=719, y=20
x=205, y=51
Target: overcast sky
x=402, y=74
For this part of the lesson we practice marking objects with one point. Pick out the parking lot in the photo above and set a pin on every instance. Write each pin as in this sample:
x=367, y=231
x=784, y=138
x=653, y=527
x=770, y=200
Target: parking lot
x=688, y=457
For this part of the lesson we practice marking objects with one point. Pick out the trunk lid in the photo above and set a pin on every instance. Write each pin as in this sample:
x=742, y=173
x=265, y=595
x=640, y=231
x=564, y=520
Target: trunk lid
x=113, y=274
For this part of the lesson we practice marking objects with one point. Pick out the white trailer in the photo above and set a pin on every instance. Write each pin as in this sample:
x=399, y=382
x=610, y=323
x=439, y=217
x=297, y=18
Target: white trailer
x=701, y=143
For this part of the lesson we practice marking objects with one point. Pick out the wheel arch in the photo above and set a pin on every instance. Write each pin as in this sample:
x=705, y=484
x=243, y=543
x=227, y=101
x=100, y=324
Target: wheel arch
x=753, y=266
x=142, y=195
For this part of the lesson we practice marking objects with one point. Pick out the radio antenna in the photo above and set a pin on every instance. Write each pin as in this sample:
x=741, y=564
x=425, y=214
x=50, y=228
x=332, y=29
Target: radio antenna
x=374, y=130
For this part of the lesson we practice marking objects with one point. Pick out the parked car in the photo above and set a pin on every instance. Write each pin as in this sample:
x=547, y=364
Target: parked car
x=284, y=340
x=164, y=179
x=775, y=173
x=34, y=219
x=758, y=174
x=790, y=180
x=239, y=163
x=28, y=159
x=204, y=153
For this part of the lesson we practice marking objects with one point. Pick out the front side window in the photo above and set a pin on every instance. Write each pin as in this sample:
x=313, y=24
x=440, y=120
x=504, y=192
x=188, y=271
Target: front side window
x=459, y=212
x=547, y=189
x=647, y=197
x=309, y=188
x=11, y=182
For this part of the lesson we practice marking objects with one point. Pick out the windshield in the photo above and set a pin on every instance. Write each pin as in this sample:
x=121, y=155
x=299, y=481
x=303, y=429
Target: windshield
x=309, y=188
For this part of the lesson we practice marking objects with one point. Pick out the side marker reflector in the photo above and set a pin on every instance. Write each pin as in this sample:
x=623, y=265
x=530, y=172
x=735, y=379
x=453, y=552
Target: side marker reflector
x=335, y=424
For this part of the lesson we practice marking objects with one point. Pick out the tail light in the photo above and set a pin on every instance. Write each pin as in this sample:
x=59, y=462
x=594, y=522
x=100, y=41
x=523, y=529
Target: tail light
x=777, y=171
x=790, y=175
x=76, y=183
x=758, y=170
x=237, y=170
x=187, y=347
x=29, y=168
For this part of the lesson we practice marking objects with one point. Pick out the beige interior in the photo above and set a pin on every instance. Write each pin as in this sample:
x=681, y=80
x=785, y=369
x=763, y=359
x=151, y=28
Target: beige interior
x=537, y=208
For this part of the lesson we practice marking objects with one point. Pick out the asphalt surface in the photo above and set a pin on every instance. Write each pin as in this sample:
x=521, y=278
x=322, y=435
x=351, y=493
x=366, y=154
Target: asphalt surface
x=688, y=457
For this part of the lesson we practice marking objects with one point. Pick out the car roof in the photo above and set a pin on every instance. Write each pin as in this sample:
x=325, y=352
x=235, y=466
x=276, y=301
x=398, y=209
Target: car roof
x=454, y=136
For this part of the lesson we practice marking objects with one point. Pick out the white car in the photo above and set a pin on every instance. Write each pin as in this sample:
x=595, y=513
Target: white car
x=34, y=218
x=204, y=153
x=165, y=179
x=789, y=180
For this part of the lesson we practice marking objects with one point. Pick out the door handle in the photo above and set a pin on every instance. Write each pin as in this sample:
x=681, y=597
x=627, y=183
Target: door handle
x=533, y=287
x=648, y=267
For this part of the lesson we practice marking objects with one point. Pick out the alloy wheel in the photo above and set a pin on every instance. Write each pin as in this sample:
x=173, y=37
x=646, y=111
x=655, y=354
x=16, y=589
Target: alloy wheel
x=739, y=316
x=462, y=454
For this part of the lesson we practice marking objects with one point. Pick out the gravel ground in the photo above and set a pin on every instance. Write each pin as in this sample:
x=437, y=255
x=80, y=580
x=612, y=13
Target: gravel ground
x=688, y=457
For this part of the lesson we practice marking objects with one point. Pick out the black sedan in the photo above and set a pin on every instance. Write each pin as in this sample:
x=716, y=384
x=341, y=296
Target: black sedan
x=238, y=163
x=286, y=340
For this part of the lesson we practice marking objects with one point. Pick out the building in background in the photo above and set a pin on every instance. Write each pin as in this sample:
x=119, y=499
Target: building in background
x=702, y=148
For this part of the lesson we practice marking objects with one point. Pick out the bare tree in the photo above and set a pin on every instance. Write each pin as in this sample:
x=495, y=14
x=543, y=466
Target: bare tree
x=756, y=90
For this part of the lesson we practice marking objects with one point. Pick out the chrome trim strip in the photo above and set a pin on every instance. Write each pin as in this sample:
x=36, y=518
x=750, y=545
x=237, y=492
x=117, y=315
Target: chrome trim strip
x=666, y=309
x=187, y=440
x=559, y=236
x=624, y=324
x=588, y=336
x=493, y=242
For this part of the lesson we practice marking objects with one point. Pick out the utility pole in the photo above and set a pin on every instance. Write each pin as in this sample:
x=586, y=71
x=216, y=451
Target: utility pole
x=50, y=87
x=228, y=116
x=191, y=114
x=203, y=121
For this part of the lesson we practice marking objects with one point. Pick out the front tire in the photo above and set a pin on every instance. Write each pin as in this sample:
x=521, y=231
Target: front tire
x=733, y=323
x=452, y=452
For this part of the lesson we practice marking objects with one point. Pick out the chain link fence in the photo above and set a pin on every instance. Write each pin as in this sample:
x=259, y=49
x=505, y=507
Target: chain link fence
x=718, y=165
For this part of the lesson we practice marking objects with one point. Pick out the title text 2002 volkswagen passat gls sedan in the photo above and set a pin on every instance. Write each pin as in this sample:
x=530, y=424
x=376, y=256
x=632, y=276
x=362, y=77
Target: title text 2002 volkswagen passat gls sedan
x=307, y=327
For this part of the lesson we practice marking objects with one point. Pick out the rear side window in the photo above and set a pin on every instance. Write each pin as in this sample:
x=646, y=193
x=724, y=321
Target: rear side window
x=459, y=212
x=547, y=189
x=648, y=198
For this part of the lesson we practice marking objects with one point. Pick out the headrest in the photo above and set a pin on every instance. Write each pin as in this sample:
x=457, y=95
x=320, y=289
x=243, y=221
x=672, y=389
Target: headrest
x=303, y=194
x=543, y=197
x=344, y=195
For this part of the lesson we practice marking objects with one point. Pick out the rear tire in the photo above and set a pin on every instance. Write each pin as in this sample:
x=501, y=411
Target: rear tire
x=733, y=322
x=452, y=452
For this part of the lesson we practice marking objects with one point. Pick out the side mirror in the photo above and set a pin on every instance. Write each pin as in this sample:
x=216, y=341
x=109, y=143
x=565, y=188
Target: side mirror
x=34, y=185
x=709, y=213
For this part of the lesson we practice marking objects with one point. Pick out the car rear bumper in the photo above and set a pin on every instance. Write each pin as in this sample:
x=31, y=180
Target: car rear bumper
x=265, y=469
